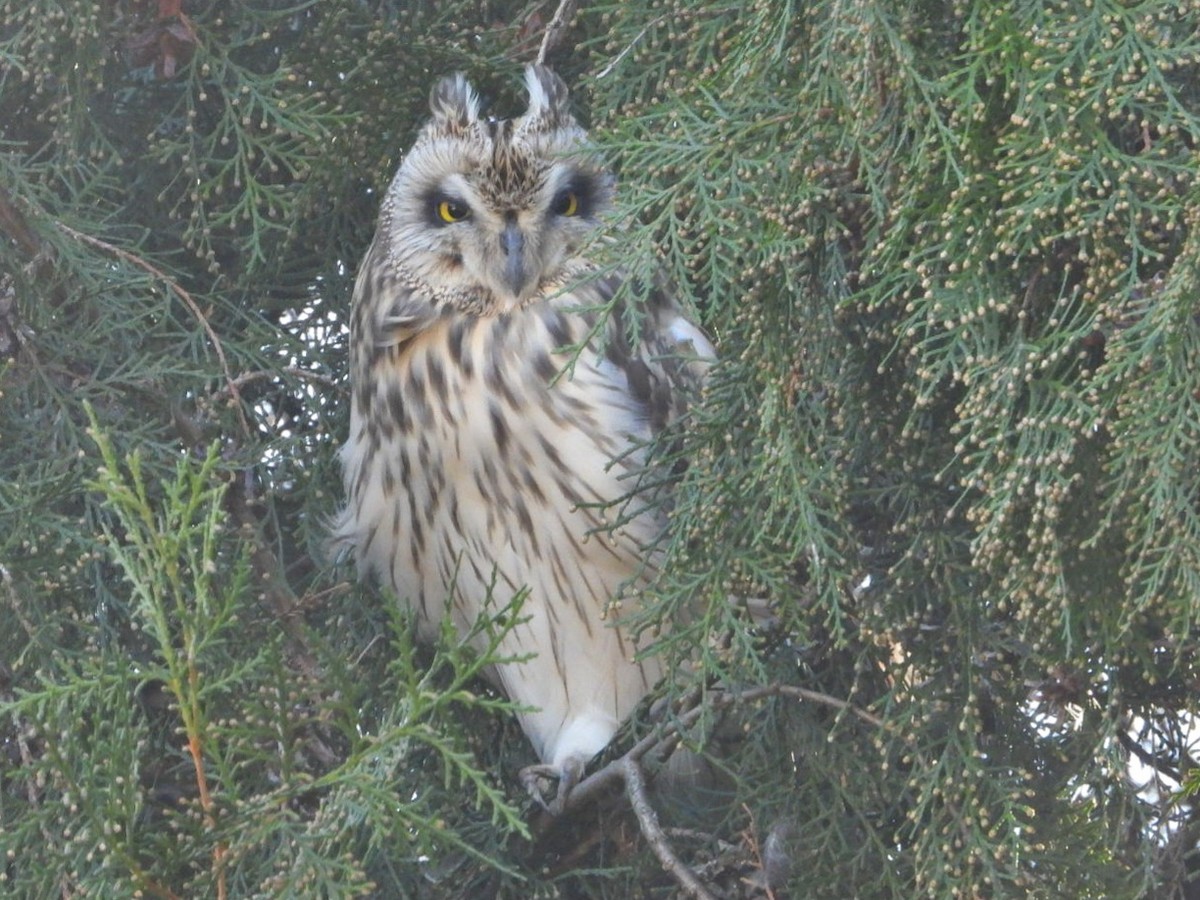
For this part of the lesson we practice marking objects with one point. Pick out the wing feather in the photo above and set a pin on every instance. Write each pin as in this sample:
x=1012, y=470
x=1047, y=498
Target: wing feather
x=668, y=363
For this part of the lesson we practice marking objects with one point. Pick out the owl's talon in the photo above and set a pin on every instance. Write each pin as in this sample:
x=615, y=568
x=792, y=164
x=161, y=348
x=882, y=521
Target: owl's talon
x=568, y=775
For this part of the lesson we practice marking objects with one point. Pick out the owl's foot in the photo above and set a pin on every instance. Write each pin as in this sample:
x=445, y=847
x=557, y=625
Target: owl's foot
x=567, y=775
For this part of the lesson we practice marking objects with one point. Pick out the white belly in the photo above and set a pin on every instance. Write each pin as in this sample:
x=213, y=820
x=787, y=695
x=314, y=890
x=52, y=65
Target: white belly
x=501, y=487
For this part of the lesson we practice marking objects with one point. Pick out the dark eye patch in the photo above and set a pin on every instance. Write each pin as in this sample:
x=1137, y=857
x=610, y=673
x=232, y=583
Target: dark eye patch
x=575, y=198
x=445, y=209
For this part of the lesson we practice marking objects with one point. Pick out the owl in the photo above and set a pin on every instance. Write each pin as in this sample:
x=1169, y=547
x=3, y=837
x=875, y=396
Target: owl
x=501, y=413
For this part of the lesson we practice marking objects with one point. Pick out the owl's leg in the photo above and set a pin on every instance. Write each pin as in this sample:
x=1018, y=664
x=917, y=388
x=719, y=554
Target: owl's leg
x=568, y=775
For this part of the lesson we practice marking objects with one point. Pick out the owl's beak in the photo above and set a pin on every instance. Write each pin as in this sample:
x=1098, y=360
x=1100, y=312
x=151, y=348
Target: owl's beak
x=512, y=243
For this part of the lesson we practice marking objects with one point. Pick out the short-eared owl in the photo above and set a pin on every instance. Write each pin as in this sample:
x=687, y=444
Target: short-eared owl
x=479, y=463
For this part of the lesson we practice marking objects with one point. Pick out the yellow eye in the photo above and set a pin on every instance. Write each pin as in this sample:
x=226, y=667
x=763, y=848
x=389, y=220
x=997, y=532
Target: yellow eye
x=451, y=211
x=567, y=204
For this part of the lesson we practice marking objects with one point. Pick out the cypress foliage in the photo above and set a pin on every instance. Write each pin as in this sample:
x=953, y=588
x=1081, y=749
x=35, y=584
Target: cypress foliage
x=935, y=555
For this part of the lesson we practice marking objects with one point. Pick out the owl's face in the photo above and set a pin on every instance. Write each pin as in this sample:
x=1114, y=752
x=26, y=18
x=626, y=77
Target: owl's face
x=488, y=214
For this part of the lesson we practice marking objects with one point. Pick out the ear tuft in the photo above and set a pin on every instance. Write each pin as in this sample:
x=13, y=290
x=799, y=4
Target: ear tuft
x=453, y=102
x=547, y=94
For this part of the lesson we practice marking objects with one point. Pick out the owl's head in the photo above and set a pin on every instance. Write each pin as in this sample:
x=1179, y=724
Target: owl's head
x=487, y=214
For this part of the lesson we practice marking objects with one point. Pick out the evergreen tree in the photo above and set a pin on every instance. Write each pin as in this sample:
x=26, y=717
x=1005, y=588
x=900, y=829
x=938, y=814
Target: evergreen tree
x=935, y=553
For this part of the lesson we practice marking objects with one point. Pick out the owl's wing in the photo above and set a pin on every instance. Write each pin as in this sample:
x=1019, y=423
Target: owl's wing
x=668, y=361
x=388, y=312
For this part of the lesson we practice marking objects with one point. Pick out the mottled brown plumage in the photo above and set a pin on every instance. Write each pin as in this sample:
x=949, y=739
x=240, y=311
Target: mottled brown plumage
x=479, y=464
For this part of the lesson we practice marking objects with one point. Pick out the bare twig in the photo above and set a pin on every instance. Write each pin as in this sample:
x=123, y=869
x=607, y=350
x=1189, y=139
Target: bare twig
x=221, y=850
x=626, y=772
x=628, y=47
x=799, y=693
x=662, y=739
x=1153, y=761
x=635, y=789
x=556, y=29
x=291, y=371
x=183, y=295
x=367, y=649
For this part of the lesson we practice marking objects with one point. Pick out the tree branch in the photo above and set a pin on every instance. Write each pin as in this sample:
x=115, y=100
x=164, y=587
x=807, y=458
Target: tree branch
x=1148, y=759
x=627, y=773
x=635, y=790
x=183, y=295
x=292, y=371
x=625, y=52
x=663, y=738
x=556, y=29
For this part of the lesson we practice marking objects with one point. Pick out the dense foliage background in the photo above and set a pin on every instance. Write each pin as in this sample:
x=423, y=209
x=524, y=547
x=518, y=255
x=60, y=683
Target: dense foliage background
x=949, y=254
